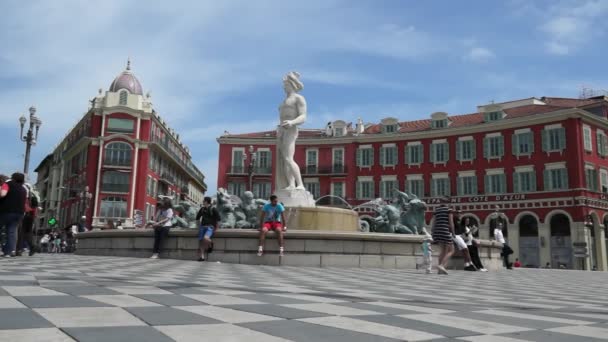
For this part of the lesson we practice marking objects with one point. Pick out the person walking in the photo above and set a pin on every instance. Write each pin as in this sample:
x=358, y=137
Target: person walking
x=506, y=250
x=443, y=233
x=12, y=208
x=427, y=251
x=162, y=226
x=272, y=218
x=25, y=238
x=208, y=218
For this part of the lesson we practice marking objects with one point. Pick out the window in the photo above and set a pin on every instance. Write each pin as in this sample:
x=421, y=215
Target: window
x=524, y=181
x=123, y=98
x=604, y=180
x=415, y=154
x=311, y=161
x=264, y=162
x=338, y=160
x=523, y=143
x=238, y=160
x=556, y=179
x=602, y=144
x=416, y=187
x=388, y=155
x=365, y=157
x=554, y=139
x=114, y=207
x=390, y=128
x=467, y=185
x=386, y=188
x=440, y=152
x=493, y=116
x=496, y=183
x=591, y=178
x=337, y=189
x=493, y=147
x=442, y=123
x=587, y=138
x=114, y=181
x=149, y=186
x=365, y=189
x=339, y=132
x=236, y=189
x=118, y=154
x=261, y=190
x=465, y=150
x=120, y=125
x=313, y=188
x=440, y=187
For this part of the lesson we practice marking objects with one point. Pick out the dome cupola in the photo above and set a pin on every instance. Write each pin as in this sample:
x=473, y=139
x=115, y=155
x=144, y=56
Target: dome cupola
x=126, y=80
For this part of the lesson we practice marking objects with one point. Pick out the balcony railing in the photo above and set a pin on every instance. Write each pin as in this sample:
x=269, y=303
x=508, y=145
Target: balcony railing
x=167, y=178
x=258, y=170
x=336, y=169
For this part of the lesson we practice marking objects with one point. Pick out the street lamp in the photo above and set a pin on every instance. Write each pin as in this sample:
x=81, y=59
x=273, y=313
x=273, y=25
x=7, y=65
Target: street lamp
x=30, y=136
x=250, y=168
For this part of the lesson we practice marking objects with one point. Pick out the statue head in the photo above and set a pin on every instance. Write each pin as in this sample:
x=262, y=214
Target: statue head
x=292, y=83
x=247, y=197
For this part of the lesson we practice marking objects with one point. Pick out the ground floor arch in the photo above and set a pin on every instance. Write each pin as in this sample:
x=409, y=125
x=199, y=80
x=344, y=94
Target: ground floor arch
x=561, y=241
x=529, y=241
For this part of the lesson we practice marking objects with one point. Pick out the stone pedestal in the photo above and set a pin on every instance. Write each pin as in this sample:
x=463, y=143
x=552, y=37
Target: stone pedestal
x=295, y=198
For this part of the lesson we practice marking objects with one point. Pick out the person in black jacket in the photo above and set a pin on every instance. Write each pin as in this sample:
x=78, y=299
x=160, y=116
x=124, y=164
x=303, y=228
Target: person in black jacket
x=209, y=219
x=12, y=208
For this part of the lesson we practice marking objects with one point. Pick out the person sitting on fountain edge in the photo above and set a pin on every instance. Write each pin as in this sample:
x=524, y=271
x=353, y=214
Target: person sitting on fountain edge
x=271, y=219
x=209, y=219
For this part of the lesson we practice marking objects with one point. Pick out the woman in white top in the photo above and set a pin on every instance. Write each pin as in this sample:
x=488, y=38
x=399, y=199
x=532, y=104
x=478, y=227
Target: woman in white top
x=470, y=230
x=506, y=250
x=162, y=226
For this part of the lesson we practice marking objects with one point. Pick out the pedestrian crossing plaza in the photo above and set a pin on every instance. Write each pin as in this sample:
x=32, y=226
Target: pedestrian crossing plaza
x=68, y=297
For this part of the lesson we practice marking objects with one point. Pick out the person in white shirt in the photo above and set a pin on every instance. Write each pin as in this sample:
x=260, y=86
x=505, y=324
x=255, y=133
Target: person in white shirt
x=469, y=231
x=506, y=250
x=161, y=228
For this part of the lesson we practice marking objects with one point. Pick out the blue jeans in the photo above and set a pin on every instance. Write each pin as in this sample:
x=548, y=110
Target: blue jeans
x=11, y=222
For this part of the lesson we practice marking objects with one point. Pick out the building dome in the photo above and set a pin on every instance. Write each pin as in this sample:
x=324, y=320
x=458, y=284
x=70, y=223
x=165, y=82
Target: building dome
x=126, y=80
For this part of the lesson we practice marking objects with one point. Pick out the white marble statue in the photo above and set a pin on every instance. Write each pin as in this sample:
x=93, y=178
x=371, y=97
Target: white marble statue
x=292, y=113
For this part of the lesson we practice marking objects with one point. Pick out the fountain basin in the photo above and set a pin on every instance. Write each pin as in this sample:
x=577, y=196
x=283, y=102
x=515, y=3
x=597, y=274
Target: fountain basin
x=322, y=218
x=302, y=248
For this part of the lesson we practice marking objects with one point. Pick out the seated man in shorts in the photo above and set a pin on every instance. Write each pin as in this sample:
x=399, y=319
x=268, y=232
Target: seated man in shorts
x=271, y=219
x=209, y=219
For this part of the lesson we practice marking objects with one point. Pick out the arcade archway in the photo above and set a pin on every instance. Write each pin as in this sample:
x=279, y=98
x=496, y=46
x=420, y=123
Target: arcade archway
x=561, y=241
x=529, y=241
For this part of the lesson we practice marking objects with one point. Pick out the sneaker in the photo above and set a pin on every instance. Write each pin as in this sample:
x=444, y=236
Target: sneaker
x=281, y=250
x=154, y=256
x=260, y=251
x=470, y=268
x=427, y=271
x=441, y=270
x=7, y=255
x=483, y=270
x=201, y=259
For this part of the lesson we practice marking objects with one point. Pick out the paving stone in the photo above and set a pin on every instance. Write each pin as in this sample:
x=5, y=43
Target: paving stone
x=117, y=334
x=169, y=316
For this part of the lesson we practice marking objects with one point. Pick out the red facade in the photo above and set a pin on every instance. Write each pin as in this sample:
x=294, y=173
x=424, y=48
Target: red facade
x=570, y=204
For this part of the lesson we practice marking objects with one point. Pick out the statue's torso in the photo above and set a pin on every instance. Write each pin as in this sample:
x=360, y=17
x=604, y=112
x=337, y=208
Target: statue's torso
x=288, y=110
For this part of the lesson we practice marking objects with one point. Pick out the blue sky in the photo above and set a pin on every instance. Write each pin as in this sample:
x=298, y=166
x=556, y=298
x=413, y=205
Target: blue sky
x=217, y=65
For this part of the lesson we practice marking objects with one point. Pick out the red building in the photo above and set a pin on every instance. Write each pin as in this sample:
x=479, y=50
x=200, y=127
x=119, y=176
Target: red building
x=542, y=160
x=124, y=155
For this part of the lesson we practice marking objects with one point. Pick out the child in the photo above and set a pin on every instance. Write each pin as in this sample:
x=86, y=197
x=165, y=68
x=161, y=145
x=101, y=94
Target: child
x=427, y=251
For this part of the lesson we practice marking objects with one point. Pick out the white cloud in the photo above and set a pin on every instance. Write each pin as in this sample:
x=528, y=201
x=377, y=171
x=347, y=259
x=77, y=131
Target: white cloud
x=569, y=25
x=479, y=54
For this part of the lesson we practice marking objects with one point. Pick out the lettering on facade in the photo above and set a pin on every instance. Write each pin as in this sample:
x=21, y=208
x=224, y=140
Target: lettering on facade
x=479, y=199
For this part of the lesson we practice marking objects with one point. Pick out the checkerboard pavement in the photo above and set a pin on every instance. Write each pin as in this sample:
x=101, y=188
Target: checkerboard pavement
x=88, y=298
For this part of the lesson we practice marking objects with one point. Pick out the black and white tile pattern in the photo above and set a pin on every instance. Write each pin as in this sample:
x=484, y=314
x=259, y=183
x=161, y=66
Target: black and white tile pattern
x=87, y=298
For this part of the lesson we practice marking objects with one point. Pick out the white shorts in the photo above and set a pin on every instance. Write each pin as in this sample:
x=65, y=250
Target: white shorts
x=459, y=242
